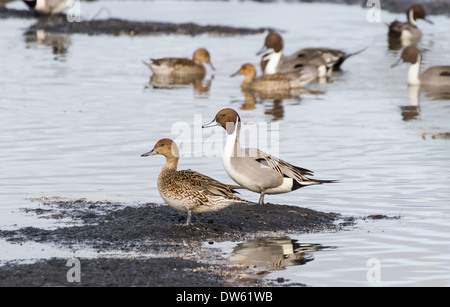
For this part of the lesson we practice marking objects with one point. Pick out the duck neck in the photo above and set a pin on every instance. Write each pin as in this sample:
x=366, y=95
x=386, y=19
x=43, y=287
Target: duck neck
x=411, y=18
x=414, y=72
x=171, y=164
x=232, y=143
x=273, y=59
x=248, y=80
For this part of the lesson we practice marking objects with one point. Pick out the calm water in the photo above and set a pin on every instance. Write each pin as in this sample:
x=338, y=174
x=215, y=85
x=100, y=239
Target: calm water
x=74, y=124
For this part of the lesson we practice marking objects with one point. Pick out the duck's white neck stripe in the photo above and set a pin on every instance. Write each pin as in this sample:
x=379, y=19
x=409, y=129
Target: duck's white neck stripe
x=232, y=140
x=271, y=66
x=411, y=18
x=414, y=73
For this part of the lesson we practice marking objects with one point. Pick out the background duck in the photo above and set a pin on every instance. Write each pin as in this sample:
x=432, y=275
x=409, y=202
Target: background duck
x=275, y=82
x=188, y=190
x=182, y=66
x=435, y=76
x=407, y=33
x=252, y=168
x=47, y=7
x=325, y=59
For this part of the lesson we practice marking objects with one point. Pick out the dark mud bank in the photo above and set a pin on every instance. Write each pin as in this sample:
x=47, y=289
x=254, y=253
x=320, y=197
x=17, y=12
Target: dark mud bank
x=105, y=225
x=114, y=26
x=151, y=246
x=157, y=248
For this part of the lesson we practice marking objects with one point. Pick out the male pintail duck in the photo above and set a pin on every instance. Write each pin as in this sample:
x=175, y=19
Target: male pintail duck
x=182, y=66
x=408, y=32
x=47, y=7
x=187, y=190
x=325, y=59
x=275, y=82
x=434, y=76
x=255, y=170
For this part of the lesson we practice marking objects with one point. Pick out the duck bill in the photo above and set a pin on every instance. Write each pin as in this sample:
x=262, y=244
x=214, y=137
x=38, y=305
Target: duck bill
x=399, y=61
x=150, y=153
x=429, y=21
x=211, y=65
x=235, y=74
x=213, y=123
x=264, y=48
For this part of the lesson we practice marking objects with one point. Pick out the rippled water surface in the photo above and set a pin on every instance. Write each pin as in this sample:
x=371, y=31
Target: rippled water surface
x=76, y=116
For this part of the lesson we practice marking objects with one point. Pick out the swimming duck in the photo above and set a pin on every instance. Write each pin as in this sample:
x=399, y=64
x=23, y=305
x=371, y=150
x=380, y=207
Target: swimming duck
x=275, y=82
x=182, y=66
x=47, y=7
x=408, y=32
x=188, y=190
x=434, y=76
x=325, y=59
x=252, y=168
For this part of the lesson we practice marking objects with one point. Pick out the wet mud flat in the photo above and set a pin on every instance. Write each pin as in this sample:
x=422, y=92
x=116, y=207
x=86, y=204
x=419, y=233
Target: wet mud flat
x=114, y=26
x=432, y=7
x=156, y=247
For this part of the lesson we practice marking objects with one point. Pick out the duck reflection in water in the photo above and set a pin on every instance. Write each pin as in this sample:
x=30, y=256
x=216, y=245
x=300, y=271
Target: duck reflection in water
x=275, y=109
x=201, y=86
x=274, y=253
x=412, y=111
x=58, y=42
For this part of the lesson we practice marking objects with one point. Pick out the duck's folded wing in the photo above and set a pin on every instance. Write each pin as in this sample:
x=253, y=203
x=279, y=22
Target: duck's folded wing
x=196, y=181
x=283, y=168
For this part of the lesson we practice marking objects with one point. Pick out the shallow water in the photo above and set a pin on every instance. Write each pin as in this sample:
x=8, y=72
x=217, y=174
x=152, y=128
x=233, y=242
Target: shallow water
x=75, y=123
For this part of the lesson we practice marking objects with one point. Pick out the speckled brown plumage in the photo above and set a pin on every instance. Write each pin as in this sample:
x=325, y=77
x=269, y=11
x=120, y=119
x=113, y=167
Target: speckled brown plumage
x=188, y=190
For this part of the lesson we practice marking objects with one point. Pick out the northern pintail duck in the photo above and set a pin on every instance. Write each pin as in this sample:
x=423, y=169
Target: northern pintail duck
x=47, y=7
x=408, y=32
x=434, y=76
x=252, y=168
x=325, y=59
x=188, y=190
x=275, y=82
x=182, y=66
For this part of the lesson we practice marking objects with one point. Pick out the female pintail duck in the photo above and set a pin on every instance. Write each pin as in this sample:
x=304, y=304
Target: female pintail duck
x=434, y=76
x=47, y=7
x=275, y=82
x=182, y=66
x=187, y=190
x=255, y=170
x=408, y=32
x=325, y=59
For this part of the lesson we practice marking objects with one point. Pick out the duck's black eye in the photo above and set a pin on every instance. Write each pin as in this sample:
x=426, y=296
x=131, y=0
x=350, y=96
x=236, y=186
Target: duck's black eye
x=162, y=145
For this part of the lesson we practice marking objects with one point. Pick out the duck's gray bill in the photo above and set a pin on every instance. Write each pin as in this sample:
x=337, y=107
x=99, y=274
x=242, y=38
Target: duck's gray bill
x=213, y=123
x=150, y=153
x=399, y=61
x=264, y=48
x=235, y=74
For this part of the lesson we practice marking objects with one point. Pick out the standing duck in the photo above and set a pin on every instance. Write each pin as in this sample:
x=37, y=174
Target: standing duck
x=252, y=168
x=188, y=190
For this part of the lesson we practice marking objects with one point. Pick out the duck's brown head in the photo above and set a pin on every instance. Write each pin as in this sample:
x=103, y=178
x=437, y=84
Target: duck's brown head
x=227, y=119
x=273, y=41
x=202, y=55
x=410, y=54
x=165, y=147
x=417, y=12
